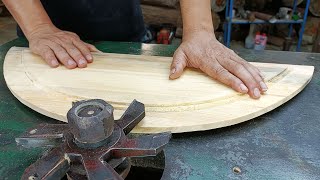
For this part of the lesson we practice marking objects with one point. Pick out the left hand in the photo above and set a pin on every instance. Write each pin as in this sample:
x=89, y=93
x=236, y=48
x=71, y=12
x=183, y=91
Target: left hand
x=203, y=51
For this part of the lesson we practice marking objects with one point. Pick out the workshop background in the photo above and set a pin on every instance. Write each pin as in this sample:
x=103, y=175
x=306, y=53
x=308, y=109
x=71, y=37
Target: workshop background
x=282, y=144
x=163, y=19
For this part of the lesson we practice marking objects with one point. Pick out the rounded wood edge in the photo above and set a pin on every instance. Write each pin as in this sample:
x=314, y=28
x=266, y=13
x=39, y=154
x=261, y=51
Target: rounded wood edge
x=140, y=129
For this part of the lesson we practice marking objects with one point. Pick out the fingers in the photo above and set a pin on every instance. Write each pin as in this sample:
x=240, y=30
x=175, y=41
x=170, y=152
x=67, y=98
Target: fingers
x=178, y=64
x=84, y=49
x=62, y=55
x=72, y=55
x=258, y=70
x=241, y=72
x=49, y=57
x=76, y=55
x=62, y=46
x=216, y=71
x=255, y=72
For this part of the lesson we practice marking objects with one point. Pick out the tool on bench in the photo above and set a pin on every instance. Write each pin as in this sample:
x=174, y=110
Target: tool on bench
x=92, y=145
x=165, y=34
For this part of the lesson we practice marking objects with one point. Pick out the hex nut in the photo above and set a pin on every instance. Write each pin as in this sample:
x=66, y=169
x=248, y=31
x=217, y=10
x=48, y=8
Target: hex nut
x=91, y=121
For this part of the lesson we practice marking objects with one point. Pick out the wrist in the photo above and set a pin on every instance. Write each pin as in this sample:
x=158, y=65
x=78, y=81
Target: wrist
x=198, y=33
x=42, y=28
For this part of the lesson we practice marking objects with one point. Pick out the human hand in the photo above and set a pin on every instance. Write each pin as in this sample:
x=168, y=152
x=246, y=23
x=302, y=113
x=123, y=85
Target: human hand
x=203, y=51
x=55, y=45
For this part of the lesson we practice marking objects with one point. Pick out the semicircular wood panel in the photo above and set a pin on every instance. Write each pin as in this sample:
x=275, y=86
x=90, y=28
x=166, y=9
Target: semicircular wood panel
x=193, y=102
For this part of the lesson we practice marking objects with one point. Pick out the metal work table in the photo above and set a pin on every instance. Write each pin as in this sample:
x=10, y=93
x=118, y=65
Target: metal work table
x=282, y=144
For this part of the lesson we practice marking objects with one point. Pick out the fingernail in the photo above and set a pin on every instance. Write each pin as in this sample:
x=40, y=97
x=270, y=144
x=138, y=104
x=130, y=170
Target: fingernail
x=82, y=61
x=71, y=62
x=256, y=93
x=54, y=63
x=89, y=57
x=243, y=88
x=264, y=87
x=173, y=70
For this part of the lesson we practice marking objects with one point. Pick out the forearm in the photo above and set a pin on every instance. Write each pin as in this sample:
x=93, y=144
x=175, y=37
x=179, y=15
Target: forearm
x=196, y=16
x=29, y=14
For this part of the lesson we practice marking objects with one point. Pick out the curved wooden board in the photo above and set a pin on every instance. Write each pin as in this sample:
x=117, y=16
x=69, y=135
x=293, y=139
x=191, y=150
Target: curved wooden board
x=193, y=102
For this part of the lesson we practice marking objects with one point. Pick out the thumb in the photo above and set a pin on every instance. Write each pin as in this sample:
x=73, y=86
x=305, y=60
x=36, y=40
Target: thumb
x=178, y=64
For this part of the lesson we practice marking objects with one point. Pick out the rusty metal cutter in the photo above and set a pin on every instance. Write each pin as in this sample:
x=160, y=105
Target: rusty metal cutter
x=92, y=145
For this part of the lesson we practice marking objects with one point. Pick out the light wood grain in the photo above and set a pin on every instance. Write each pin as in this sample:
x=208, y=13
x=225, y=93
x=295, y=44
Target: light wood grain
x=193, y=102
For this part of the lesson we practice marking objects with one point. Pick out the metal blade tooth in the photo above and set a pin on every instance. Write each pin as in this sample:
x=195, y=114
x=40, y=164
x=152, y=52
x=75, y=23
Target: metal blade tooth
x=143, y=146
x=53, y=165
x=39, y=142
x=96, y=169
x=44, y=135
x=116, y=162
x=47, y=130
x=132, y=116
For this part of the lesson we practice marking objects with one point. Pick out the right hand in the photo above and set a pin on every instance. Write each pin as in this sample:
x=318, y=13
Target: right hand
x=55, y=45
x=201, y=49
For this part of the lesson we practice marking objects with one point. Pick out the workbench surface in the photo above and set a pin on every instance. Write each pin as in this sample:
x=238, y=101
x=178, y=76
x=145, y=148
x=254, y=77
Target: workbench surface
x=282, y=144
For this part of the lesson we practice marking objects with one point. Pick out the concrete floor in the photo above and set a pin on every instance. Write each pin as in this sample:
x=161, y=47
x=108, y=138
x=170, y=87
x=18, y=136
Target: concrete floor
x=7, y=29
